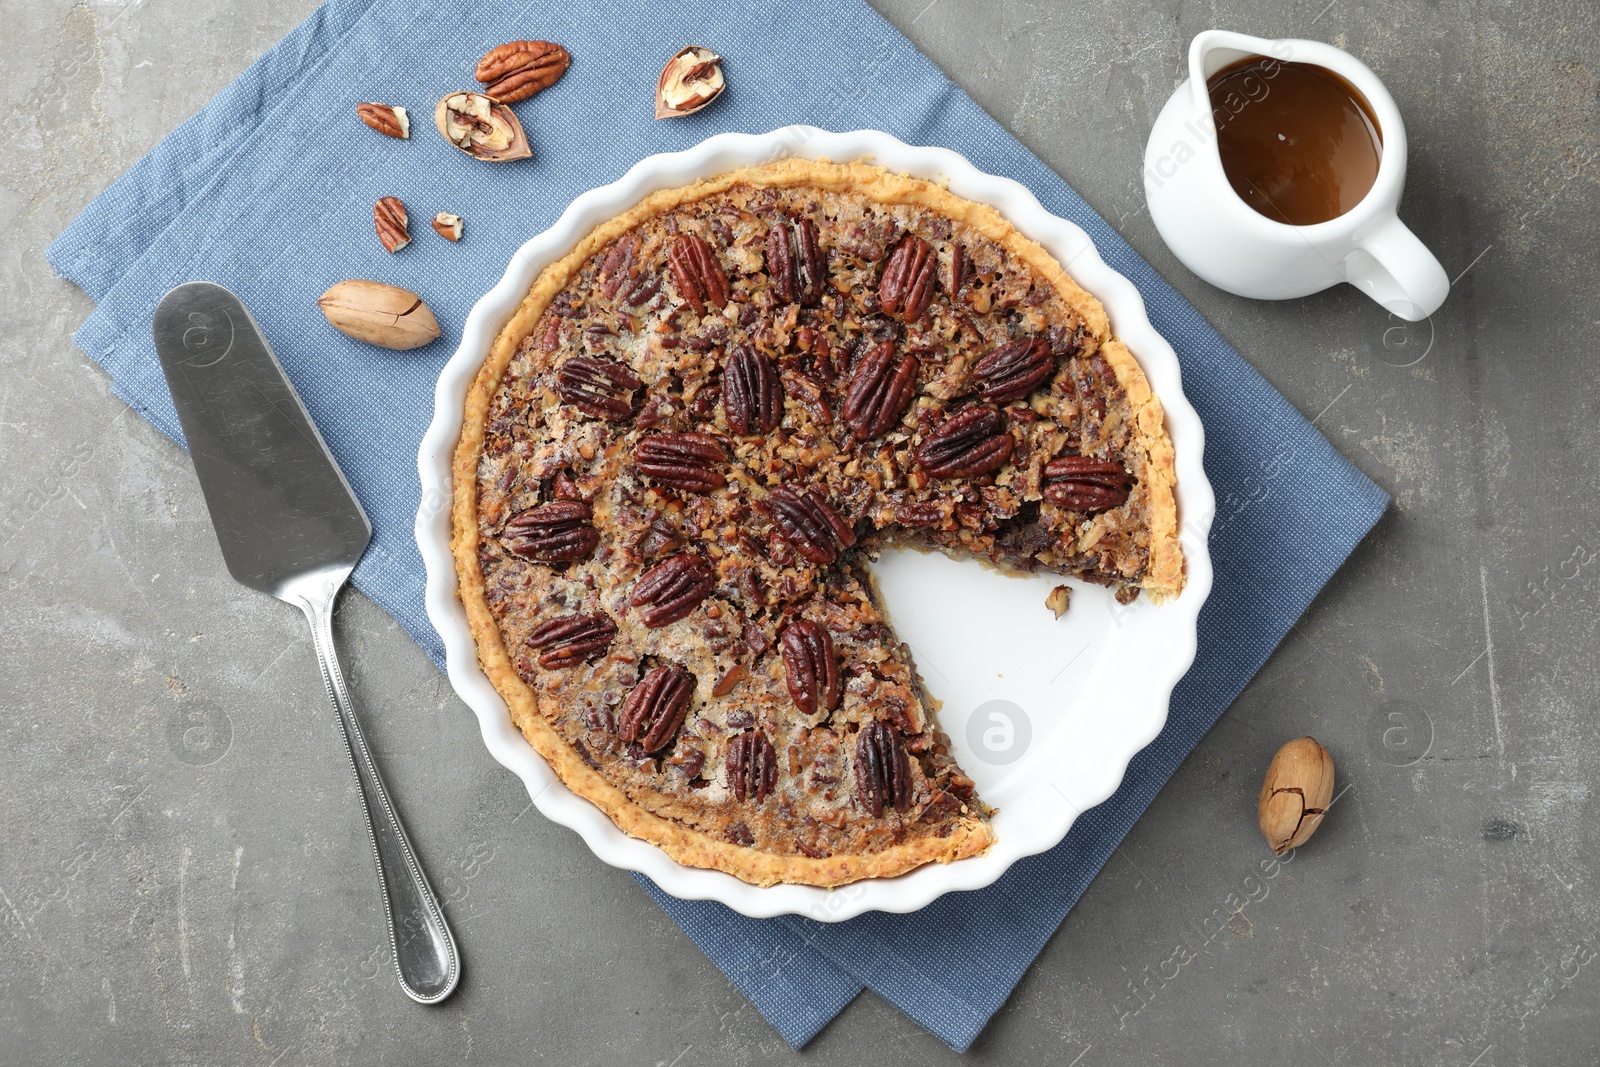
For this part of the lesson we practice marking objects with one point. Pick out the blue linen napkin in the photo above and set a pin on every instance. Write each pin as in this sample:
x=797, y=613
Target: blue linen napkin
x=269, y=191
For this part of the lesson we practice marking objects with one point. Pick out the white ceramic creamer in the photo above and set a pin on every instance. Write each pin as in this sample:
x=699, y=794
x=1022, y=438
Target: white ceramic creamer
x=1231, y=245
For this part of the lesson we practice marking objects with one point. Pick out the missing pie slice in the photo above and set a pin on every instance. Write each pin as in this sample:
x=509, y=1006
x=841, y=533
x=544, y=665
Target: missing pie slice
x=690, y=439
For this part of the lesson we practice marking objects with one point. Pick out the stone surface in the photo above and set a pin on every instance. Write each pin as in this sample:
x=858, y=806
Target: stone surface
x=183, y=876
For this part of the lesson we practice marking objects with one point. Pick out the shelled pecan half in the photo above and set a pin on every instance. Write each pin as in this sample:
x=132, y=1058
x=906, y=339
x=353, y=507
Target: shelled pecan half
x=883, y=769
x=1084, y=483
x=811, y=667
x=971, y=442
x=672, y=589
x=879, y=391
x=570, y=639
x=516, y=70
x=752, y=766
x=557, y=532
x=599, y=387
x=697, y=273
x=808, y=522
x=752, y=398
x=686, y=461
x=655, y=708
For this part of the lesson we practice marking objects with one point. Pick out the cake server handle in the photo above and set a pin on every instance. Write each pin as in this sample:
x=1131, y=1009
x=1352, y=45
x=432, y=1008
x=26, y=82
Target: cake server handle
x=425, y=955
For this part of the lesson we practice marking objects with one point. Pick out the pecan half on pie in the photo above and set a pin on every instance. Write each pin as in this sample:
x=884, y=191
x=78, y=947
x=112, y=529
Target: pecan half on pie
x=686, y=445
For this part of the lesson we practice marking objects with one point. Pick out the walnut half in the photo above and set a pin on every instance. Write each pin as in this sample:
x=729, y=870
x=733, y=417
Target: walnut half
x=480, y=127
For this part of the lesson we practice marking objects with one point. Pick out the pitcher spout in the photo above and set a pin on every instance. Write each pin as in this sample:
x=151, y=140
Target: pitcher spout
x=1212, y=50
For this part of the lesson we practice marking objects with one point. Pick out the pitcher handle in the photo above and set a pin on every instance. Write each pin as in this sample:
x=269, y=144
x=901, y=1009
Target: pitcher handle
x=1396, y=269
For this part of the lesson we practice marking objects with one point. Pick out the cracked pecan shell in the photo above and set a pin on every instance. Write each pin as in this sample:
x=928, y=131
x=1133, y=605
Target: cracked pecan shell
x=571, y=639
x=879, y=391
x=752, y=397
x=906, y=288
x=883, y=769
x=971, y=442
x=518, y=69
x=557, y=532
x=752, y=766
x=811, y=668
x=655, y=708
x=686, y=461
x=1013, y=370
x=672, y=589
x=1083, y=483
x=809, y=523
x=598, y=387
x=795, y=263
x=697, y=273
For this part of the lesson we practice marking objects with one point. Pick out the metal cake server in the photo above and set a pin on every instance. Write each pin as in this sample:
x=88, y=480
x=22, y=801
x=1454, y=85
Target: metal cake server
x=289, y=525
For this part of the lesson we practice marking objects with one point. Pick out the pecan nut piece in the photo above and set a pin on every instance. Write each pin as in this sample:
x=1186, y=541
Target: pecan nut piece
x=1083, y=483
x=883, y=769
x=387, y=119
x=389, y=218
x=752, y=766
x=906, y=288
x=798, y=270
x=1013, y=370
x=879, y=391
x=811, y=668
x=686, y=461
x=570, y=639
x=697, y=273
x=448, y=226
x=598, y=387
x=672, y=589
x=809, y=523
x=557, y=532
x=656, y=707
x=752, y=398
x=517, y=70
x=971, y=442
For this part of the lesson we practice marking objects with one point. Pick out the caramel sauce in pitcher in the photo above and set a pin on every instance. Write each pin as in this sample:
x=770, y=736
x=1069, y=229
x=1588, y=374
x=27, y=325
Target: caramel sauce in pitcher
x=1298, y=143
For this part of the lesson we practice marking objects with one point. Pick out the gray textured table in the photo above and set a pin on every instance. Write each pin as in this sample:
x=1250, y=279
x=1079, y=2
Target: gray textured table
x=183, y=876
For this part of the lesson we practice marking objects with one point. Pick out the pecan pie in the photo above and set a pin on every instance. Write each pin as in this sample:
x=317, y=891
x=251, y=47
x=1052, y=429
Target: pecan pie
x=693, y=435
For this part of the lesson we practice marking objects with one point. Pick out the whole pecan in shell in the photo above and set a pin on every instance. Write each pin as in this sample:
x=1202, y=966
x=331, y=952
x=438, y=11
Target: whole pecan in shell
x=1083, y=483
x=751, y=396
x=672, y=589
x=971, y=442
x=811, y=668
x=906, y=288
x=798, y=270
x=879, y=391
x=883, y=769
x=686, y=461
x=518, y=69
x=570, y=639
x=557, y=532
x=752, y=766
x=656, y=707
x=808, y=522
x=387, y=119
x=1013, y=370
x=389, y=218
x=599, y=387
x=697, y=273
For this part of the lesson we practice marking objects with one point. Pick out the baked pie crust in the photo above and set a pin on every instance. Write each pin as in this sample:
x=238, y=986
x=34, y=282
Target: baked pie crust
x=693, y=433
